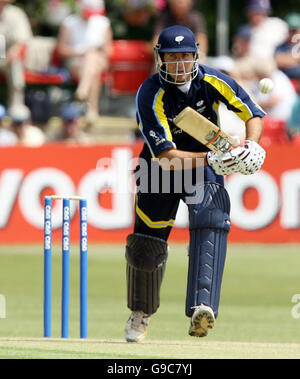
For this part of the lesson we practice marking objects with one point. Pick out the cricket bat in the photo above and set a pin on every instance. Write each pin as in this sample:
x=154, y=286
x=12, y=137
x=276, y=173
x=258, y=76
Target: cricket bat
x=204, y=131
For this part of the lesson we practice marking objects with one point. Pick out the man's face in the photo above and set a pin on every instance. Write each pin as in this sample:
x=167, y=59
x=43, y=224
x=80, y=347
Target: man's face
x=179, y=66
x=256, y=17
x=71, y=128
x=241, y=47
x=180, y=7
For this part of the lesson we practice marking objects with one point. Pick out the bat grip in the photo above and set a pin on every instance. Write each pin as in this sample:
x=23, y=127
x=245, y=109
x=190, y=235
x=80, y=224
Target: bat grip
x=236, y=141
x=213, y=139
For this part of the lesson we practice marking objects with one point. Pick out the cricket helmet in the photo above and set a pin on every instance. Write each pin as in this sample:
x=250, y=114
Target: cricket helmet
x=176, y=39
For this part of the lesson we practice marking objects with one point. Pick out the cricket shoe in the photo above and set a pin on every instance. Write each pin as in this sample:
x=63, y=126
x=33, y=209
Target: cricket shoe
x=203, y=319
x=136, y=326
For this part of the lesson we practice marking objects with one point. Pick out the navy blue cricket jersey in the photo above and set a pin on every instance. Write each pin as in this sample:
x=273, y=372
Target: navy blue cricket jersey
x=159, y=102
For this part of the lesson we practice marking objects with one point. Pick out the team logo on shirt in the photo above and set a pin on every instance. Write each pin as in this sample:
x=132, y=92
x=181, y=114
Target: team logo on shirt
x=176, y=130
x=156, y=138
x=200, y=106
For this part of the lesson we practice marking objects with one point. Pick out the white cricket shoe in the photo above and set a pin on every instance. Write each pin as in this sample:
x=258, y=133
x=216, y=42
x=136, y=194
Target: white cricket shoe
x=203, y=319
x=136, y=326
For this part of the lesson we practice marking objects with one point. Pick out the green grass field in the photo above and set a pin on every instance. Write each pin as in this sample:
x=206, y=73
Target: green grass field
x=255, y=319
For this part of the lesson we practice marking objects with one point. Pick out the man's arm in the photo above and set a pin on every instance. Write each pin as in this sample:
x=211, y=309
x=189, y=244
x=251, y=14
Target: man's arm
x=63, y=47
x=221, y=164
x=286, y=60
x=254, y=129
x=198, y=159
x=15, y=52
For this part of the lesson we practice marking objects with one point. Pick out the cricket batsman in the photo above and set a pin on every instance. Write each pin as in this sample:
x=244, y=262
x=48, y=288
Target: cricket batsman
x=181, y=82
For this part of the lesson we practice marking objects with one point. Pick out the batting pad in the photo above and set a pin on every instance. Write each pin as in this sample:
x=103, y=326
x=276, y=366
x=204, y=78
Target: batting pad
x=209, y=227
x=146, y=261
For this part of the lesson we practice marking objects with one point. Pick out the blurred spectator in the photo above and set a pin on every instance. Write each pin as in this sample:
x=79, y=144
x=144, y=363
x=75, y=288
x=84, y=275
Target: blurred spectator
x=70, y=129
x=287, y=55
x=160, y=4
x=139, y=16
x=182, y=12
x=57, y=11
x=224, y=64
x=84, y=43
x=7, y=137
x=266, y=32
x=138, y=12
x=294, y=121
x=16, y=29
x=241, y=42
x=27, y=134
x=278, y=103
x=245, y=71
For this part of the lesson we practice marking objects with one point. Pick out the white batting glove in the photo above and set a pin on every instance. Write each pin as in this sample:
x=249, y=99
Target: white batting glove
x=250, y=156
x=245, y=159
x=224, y=164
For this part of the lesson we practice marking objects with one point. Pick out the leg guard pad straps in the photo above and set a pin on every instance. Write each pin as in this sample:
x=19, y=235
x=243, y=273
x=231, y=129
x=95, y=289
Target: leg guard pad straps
x=209, y=227
x=146, y=261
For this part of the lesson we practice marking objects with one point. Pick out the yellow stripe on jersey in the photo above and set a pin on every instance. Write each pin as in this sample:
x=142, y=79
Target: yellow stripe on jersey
x=229, y=94
x=153, y=224
x=216, y=109
x=158, y=108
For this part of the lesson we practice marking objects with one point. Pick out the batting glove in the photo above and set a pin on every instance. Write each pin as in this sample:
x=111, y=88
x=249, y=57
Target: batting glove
x=251, y=157
x=224, y=164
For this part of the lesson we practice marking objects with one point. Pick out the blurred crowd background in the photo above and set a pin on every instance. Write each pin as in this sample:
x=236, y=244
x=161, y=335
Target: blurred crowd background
x=69, y=69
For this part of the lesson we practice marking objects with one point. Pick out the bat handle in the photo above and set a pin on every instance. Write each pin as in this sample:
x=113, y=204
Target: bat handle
x=236, y=141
